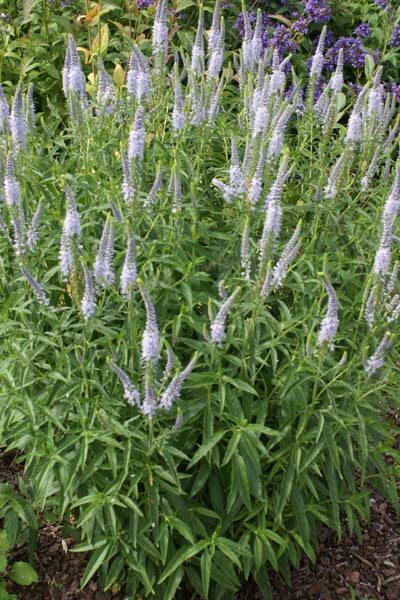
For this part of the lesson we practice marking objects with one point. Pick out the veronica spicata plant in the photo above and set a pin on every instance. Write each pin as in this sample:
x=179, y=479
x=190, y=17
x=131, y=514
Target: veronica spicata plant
x=200, y=348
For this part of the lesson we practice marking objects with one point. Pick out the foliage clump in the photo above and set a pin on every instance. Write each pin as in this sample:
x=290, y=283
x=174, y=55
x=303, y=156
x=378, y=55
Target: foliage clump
x=199, y=308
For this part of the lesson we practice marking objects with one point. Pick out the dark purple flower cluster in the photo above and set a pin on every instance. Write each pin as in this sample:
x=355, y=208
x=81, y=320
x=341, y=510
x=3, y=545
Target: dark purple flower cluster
x=382, y=4
x=282, y=41
x=279, y=36
x=239, y=25
x=317, y=11
x=60, y=3
x=353, y=53
x=144, y=3
x=394, y=89
x=301, y=25
x=363, y=31
x=395, y=39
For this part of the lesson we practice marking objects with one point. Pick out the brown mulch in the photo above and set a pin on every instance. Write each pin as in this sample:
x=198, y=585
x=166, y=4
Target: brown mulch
x=371, y=568
x=59, y=571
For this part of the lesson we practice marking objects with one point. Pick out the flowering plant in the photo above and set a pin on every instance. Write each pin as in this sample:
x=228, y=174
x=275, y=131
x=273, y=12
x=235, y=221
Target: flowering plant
x=200, y=301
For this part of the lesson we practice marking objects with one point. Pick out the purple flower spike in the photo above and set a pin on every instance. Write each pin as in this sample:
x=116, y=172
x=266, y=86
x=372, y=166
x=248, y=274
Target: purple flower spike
x=33, y=232
x=377, y=360
x=88, y=304
x=288, y=255
x=103, y=267
x=173, y=390
x=17, y=122
x=151, y=336
x=149, y=404
x=137, y=136
x=129, y=270
x=36, y=287
x=395, y=39
x=218, y=325
x=130, y=392
x=160, y=30
x=330, y=322
x=11, y=185
x=197, y=59
x=4, y=112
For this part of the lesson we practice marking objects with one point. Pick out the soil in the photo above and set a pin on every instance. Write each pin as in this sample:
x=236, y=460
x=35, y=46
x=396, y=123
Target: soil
x=344, y=570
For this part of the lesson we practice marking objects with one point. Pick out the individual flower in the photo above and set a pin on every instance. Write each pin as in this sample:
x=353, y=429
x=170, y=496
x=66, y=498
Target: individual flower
x=4, y=112
x=142, y=89
x=103, y=268
x=268, y=282
x=245, y=261
x=160, y=30
x=276, y=140
x=178, y=116
x=377, y=360
x=105, y=89
x=151, y=336
x=127, y=186
x=137, y=136
x=88, y=303
x=149, y=404
x=72, y=221
x=217, y=330
x=12, y=192
x=288, y=255
x=197, y=58
x=273, y=207
x=130, y=392
x=330, y=322
x=17, y=121
x=33, y=231
x=36, y=287
x=173, y=391
x=155, y=188
x=128, y=279
x=317, y=62
x=217, y=55
x=213, y=34
x=29, y=109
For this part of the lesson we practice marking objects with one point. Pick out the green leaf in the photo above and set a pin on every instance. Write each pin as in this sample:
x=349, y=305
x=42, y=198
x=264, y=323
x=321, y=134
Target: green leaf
x=169, y=593
x=206, y=447
x=4, y=543
x=97, y=559
x=4, y=595
x=240, y=385
x=182, y=527
x=185, y=553
x=262, y=581
x=3, y=562
x=23, y=574
x=182, y=4
x=286, y=488
x=205, y=567
x=244, y=488
x=300, y=514
x=232, y=446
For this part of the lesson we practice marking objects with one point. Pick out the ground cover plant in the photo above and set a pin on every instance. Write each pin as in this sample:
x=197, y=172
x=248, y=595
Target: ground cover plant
x=200, y=305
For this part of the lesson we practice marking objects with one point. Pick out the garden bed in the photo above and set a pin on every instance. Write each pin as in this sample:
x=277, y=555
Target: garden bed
x=368, y=567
